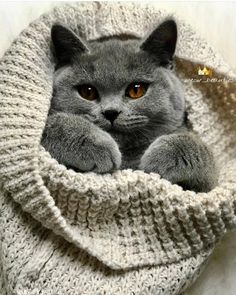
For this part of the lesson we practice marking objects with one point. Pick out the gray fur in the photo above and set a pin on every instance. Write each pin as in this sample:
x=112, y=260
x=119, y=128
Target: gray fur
x=150, y=133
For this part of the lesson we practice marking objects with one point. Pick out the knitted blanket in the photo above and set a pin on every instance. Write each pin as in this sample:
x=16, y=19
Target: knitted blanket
x=127, y=232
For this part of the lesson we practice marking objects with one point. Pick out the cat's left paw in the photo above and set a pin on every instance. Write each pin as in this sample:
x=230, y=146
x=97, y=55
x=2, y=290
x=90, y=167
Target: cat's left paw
x=182, y=159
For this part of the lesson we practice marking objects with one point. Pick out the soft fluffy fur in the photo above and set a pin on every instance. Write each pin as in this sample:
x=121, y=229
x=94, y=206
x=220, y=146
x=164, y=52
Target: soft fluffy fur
x=149, y=133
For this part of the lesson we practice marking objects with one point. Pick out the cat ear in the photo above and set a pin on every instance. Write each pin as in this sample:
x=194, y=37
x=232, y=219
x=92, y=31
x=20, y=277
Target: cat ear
x=66, y=43
x=162, y=42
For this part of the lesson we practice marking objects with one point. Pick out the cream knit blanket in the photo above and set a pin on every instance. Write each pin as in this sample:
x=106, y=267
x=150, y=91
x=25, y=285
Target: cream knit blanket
x=128, y=232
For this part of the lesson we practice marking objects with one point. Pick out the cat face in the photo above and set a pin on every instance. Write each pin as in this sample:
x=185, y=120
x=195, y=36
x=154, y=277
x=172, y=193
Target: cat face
x=119, y=85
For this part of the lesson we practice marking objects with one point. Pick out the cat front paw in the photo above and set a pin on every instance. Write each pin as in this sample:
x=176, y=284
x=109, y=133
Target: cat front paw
x=98, y=152
x=182, y=159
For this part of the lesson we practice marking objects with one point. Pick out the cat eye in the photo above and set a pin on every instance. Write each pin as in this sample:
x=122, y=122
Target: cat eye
x=87, y=91
x=136, y=90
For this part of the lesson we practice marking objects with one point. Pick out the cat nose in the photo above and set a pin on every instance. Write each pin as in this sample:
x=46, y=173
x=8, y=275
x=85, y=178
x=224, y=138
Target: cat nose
x=111, y=115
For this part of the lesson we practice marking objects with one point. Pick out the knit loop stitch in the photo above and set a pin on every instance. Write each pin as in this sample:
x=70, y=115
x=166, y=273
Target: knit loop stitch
x=128, y=219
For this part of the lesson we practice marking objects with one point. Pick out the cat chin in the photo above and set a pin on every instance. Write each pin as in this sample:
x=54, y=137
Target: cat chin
x=118, y=127
x=121, y=128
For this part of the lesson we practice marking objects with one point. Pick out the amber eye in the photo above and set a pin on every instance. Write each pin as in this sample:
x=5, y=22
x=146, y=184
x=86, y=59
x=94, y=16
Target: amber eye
x=87, y=91
x=136, y=90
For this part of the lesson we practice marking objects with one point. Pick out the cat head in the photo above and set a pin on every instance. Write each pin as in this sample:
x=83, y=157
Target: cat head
x=122, y=85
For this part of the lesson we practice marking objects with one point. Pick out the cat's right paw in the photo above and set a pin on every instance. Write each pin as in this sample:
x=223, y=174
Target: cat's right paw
x=98, y=153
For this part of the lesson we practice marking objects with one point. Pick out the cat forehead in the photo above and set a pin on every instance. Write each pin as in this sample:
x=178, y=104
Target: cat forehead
x=114, y=45
x=116, y=55
x=114, y=52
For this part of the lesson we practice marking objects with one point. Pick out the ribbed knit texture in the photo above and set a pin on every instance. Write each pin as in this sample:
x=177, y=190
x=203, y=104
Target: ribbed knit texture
x=128, y=232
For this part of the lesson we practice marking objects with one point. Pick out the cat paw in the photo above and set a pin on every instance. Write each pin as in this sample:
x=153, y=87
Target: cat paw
x=181, y=159
x=98, y=153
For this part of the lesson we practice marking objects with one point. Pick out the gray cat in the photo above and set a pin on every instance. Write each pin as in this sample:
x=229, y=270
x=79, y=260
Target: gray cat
x=118, y=104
